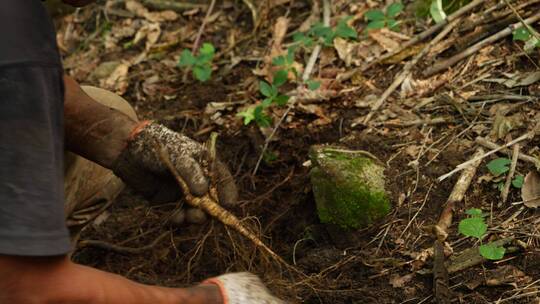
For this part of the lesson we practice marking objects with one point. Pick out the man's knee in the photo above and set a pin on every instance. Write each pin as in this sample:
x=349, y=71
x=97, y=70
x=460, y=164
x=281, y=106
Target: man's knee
x=110, y=99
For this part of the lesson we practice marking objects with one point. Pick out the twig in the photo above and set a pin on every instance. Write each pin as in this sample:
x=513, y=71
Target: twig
x=407, y=70
x=458, y=192
x=442, y=65
x=528, y=135
x=440, y=275
x=201, y=28
x=491, y=145
x=176, y=6
x=527, y=26
x=254, y=13
x=305, y=76
x=122, y=249
x=510, y=176
x=420, y=37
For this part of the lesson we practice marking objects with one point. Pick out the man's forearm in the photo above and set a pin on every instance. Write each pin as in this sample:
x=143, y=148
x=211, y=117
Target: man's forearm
x=93, y=130
x=57, y=280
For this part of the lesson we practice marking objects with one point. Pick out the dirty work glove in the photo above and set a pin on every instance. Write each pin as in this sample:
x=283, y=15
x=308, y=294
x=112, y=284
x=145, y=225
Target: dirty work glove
x=243, y=288
x=140, y=166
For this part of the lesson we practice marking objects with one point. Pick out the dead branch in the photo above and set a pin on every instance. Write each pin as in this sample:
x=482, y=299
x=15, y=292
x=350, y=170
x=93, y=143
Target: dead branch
x=201, y=28
x=510, y=176
x=443, y=295
x=442, y=65
x=407, y=70
x=458, y=192
x=491, y=145
x=471, y=256
x=172, y=5
x=528, y=135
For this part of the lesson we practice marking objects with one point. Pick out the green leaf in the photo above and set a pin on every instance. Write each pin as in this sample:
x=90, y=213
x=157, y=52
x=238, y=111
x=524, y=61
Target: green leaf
x=521, y=34
x=475, y=212
x=344, y=31
x=261, y=118
x=375, y=15
x=202, y=72
x=492, y=252
x=437, y=12
x=280, y=78
x=266, y=89
x=393, y=25
x=267, y=102
x=248, y=115
x=313, y=84
x=186, y=59
x=517, y=182
x=375, y=25
x=500, y=186
x=302, y=39
x=206, y=53
x=473, y=227
x=290, y=55
x=498, y=166
x=394, y=9
x=279, y=61
x=281, y=100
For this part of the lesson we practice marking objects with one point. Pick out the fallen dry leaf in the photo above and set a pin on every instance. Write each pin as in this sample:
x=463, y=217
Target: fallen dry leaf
x=530, y=192
x=118, y=80
x=345, y=50
x=386, y=42
x=399, y=282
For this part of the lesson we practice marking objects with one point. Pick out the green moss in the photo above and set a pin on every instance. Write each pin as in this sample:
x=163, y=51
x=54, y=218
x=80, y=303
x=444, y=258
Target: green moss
x=348, y=188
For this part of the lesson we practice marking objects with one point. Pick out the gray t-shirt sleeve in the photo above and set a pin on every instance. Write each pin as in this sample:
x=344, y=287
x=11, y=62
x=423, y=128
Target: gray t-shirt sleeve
x=32, y=221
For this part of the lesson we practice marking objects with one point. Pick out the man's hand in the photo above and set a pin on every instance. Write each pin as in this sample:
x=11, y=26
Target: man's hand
x=78, y=3
x=140, y=167
x=243, y=288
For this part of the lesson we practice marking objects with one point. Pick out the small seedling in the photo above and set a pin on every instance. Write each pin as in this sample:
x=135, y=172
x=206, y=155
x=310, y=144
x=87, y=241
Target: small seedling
x=475, y=226
x=529, y=36
x=377, y=19
x=498, y=167
x=201, y=65
x=325, y=34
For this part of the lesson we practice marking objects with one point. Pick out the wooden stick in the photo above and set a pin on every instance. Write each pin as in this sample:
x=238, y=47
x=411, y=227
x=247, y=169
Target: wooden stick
x=442, y=65
x=407, y=71
x=458, y=192
x=510, y=176
x=528, y=135
x=491, y=145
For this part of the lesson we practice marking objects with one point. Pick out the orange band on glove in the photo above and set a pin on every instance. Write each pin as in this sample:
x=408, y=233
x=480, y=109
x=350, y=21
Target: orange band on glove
x=138, y=128
x=215, y=281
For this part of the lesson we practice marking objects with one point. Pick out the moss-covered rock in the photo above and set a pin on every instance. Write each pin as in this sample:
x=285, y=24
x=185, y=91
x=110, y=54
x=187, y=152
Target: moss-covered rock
x=348, y=187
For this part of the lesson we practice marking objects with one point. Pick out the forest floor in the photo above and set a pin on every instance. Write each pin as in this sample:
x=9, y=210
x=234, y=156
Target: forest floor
x=423, y=130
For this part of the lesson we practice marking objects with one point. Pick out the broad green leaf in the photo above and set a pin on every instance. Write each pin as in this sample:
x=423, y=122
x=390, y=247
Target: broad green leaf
x=266, y=89
x=473, y=227
x=247, y=115
x=186, y=59
x=279, y=61
x=375, y=15
x=437, y=12
x=313, y=84
x=475, y=212
x=303, y=39
x=202, y=72
x=521, y=34
x=517, y=182
x=492, y=252
x=206, y=53
x=394, y=9
x=281, y=99
x=498, y=166
x=290, y=55
x=393, y=25
x=344, y=31
x=261, y=118
x=280, y=78
x=267, y=102
x=320, y=30
x=375, y=25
